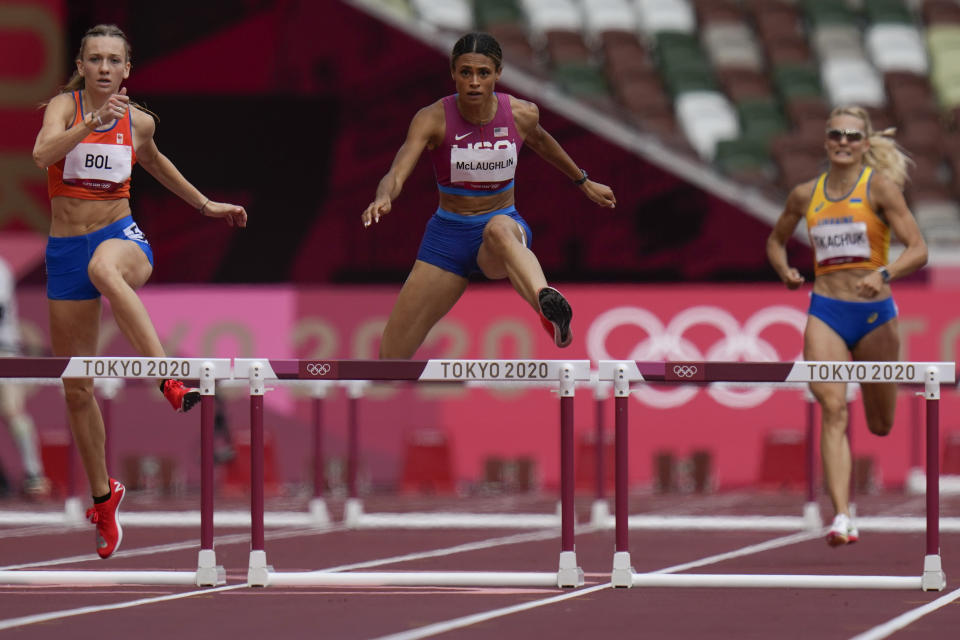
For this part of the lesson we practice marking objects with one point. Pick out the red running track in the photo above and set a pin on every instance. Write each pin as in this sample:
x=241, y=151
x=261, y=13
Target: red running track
x=237, y=611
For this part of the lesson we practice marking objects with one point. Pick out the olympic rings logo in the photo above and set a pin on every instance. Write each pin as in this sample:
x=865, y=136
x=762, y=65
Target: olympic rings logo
x=677, y=341
x=685, y=371
x=318, y=369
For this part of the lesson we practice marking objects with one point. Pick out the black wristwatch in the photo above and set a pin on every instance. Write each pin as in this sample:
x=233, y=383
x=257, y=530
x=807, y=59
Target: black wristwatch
x=884, y=274
x=582, y=178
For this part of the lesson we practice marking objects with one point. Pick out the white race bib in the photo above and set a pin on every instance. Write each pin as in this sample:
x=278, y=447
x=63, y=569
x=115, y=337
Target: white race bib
x=100, y=167
x=484, y=162
x=840, y=243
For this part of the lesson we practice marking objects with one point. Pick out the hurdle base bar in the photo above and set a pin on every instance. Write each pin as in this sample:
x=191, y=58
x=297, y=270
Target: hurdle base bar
x=258, y=571
x=99, y=578
x=934, y=579
x=209, y=573
x=770, y=581
x=413, y=578
x=811, y=516
x=622, y=574
x=569, y=574
x=318, y=511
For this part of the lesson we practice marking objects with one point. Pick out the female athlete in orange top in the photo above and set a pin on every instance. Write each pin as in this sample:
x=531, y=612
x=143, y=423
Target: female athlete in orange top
x=850, y=212
x=90, y=138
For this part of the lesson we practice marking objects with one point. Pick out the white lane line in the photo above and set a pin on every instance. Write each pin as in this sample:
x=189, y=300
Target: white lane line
x=890, y=627
x=460, y=548
x=67, y=613
x=784, y=541
x=465, y=621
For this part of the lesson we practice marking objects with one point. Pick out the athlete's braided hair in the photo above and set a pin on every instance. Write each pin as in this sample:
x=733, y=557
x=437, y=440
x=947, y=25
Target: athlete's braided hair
x=477, y=42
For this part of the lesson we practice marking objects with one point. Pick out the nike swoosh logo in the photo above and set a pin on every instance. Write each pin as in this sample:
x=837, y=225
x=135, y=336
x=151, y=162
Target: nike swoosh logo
x=462, y=135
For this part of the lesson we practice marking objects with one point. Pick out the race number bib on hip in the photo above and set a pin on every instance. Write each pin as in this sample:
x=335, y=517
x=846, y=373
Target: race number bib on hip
x=484, y=162
x=99, y=167
x=840, y=243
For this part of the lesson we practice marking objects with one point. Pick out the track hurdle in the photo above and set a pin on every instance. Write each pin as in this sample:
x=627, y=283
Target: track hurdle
x=930, y=374
x=564, y=374
x=206, y=371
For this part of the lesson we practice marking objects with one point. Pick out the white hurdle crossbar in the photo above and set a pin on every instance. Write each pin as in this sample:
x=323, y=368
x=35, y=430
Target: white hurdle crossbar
x=207, y=371
x=564, y=374
x=929, y=374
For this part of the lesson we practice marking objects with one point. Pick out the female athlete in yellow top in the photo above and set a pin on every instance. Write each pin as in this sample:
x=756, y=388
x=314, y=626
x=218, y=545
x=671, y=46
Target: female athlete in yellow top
x=850, y=212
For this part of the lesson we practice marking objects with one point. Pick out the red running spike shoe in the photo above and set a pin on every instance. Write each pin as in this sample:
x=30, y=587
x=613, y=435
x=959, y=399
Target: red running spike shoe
x=555, y=315
x=104, y=515
x=180, y=397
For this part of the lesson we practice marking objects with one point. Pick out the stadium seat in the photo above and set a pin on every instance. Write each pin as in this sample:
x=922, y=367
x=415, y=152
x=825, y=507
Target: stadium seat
x=910, y=95
x=887, y=12
x=566, y=47
x=837, y=41
x=730, y=45
x=795, y=168
x=496, y=12
x=710, y=12
x=896, y=47
x=706, y=117
x=448, y=15
x=602, y=16
x=852, y=81
x=940, y=12
x=658, y=16
x=789, y=50
x=761, y=119
x=552, y=15
x=827, y=12
x=808, y=112
x=581, y=80
x=793, y=81
x=744, y=84
x=745, y=158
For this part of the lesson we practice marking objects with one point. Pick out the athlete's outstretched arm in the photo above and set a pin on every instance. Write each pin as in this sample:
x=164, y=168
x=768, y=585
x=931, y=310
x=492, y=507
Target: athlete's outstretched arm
x=527, y=116
x=427, y=125
x=167, y=174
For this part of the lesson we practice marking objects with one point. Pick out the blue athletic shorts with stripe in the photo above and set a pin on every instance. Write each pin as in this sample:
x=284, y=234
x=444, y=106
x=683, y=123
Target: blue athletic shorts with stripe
x=852, y=320
x=67, y=259
x=451, y=241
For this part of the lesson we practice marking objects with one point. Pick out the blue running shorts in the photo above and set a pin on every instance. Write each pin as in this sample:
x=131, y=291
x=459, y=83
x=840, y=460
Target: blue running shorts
x=67, y=259
x=451, y=241
x=852, y=320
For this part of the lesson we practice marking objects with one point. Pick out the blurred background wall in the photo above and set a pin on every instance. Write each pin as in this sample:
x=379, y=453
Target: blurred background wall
x=295, y=110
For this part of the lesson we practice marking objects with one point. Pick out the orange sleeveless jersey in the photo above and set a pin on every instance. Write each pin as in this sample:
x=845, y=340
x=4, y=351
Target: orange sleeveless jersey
x=99, y=167
x=846, y=233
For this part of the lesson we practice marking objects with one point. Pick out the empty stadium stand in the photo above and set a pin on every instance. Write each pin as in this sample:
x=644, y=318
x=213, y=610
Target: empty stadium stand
x=745, y=85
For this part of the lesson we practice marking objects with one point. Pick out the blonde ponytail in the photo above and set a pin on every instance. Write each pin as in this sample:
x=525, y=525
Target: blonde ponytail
x=884, y=154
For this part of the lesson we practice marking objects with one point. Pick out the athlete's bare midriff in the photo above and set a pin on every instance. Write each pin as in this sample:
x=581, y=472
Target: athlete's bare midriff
x=476, y=205
x=77, y=217
x=842, y=285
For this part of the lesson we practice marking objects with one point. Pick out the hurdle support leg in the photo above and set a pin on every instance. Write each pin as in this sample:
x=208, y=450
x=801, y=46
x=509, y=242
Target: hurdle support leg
x=934, y=579
x=600, y=510
x=209, y=573
x=258, y=572
x=622, y=574
x=812, y=520
x=569, y=573
x=318, y=506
